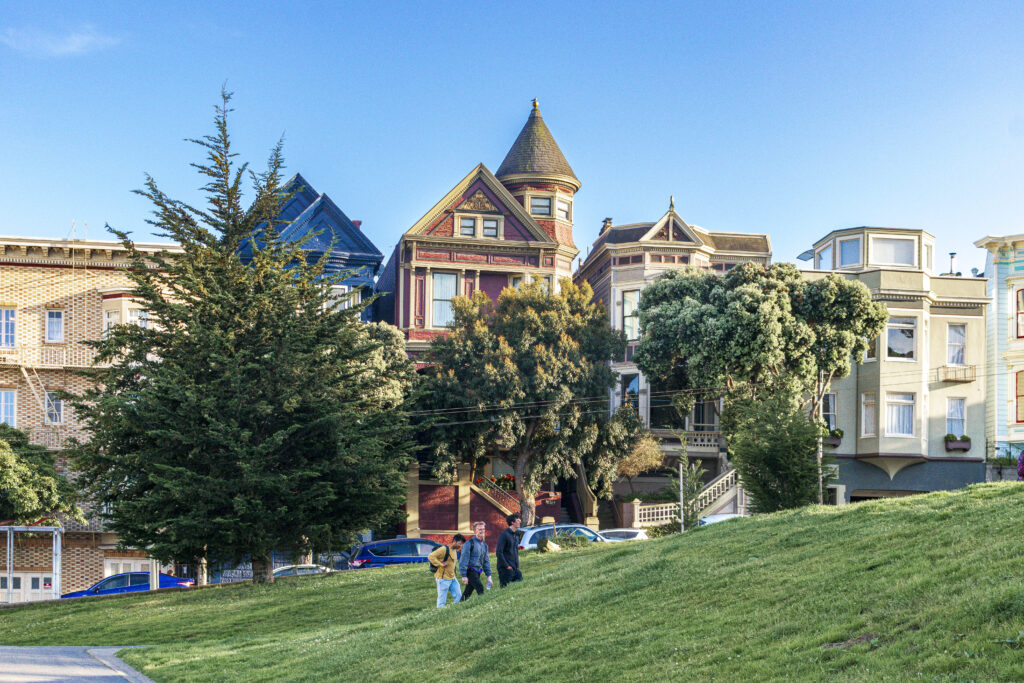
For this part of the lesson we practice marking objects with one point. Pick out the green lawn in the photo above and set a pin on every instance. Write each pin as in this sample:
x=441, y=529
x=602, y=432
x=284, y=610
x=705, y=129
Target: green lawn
x=929, y=586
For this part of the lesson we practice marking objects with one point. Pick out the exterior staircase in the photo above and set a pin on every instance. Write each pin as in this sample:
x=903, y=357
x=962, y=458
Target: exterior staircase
x=723, y=494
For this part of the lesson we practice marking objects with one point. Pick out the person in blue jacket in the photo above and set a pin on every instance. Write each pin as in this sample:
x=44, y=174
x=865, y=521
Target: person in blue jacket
x=475, y=560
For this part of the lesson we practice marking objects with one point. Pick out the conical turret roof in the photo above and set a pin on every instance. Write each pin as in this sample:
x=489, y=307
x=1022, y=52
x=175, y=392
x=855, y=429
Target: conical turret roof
x=535, y=152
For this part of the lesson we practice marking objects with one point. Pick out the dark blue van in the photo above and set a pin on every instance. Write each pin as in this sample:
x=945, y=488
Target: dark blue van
x=392, y=551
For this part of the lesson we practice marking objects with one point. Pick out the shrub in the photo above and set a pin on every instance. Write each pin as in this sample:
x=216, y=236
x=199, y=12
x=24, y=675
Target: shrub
x=953, y=437
x=663, y=530
x=1004, y=461
x=567, y=542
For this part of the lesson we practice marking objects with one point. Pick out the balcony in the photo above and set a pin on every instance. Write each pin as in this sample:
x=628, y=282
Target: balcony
x=958, y=373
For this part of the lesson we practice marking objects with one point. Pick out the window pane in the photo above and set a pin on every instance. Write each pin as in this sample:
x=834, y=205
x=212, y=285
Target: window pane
x=867, y=417
x=563, y=209
x=955, y=417
x=54, y=408
x=7, y=407
x=956, y=338
x=900, y=336
x=490, y=228
x=35, y=583
x=444, y=291
x=540, y=206
x=872, y=351
x=631, y=390
x=55, y=326
x=849, y=252
x=115, y=582
x=899, y=412
x=663, y=414
x=828, y=410
x=894, y=251
x=7, y=336
x=823, y=260
x=630, y=314
x=139, y=580
x=467, y=226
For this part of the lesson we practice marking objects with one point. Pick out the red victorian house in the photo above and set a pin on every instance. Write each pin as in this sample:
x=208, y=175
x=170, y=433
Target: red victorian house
x=489, y=232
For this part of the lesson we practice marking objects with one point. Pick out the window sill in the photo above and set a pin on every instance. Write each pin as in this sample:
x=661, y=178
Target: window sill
x=900, y=360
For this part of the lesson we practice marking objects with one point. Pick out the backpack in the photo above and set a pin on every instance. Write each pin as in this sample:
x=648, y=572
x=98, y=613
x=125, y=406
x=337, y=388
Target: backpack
x=433, y=569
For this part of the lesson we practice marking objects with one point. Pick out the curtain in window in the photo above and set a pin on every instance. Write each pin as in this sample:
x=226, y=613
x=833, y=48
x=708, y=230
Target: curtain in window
x=955, y=416
x=890, y=250
x=867, y=417
x=956, y=344
x=54, y=326
x=899, y=414
x=828, y=410
x=444, y=291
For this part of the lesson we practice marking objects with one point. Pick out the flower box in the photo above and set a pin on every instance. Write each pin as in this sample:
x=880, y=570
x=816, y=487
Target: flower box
x=957, y=446
x=830, y=441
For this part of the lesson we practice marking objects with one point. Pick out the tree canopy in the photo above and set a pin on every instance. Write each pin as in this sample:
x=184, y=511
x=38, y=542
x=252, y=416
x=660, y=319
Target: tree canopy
x=527, y=378
x=255, y=412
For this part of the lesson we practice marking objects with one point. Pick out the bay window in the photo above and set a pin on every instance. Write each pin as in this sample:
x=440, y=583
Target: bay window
x=868, y=414
x=540, y=206
x=899, y=414
x=900, y=339
x=630, y=314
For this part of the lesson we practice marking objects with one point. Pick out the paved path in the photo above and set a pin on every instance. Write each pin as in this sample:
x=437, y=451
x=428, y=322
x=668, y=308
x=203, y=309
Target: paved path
x=66, y=665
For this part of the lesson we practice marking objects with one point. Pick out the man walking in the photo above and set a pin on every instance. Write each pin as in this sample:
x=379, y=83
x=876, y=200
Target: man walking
x=474, y=561
x=445, y=558
x=508, y=552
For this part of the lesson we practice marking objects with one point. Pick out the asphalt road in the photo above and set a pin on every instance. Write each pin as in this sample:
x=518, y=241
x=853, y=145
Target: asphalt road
x=66, y=665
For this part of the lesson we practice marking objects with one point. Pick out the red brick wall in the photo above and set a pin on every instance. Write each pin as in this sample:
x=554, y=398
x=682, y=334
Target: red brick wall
x=438, y=507
x=482, y=511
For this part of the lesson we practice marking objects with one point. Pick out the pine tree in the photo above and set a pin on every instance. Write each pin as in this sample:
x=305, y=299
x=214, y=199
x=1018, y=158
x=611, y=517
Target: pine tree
x=254, y=413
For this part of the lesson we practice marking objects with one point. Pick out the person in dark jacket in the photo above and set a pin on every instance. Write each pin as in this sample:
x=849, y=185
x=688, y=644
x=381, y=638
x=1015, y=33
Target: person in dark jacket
x=475, y=560
x=508, y=552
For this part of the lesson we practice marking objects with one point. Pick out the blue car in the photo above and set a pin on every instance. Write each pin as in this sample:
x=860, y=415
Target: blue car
x=129, y=582
x=393, y=551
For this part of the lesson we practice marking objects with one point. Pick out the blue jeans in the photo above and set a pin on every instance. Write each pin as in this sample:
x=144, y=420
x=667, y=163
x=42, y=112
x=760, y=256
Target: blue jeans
x=446, y=586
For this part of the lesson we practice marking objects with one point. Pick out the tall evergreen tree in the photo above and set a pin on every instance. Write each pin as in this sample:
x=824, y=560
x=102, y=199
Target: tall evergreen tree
x=254, y=413
x=527, y=378
x=30, y=485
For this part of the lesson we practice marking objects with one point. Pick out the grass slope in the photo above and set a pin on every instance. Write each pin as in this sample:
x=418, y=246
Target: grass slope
x=929, y=586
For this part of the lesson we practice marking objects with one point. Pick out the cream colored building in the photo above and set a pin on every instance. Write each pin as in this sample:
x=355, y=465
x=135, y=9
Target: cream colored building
x=924, y=377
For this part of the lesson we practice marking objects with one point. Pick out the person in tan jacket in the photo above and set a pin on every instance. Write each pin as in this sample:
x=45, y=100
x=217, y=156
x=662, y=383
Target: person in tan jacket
x=445, y=570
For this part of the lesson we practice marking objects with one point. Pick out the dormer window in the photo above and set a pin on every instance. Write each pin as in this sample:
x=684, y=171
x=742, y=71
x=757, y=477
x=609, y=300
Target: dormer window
x=467, y=227
x=490, y=227
x=849, y=252
x=823, y=259
x=563, y=209
x=479, y=226
x=540, y=206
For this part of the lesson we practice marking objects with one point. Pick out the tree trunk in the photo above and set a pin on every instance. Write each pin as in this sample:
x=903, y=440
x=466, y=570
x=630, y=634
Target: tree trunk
x=199, y=567
x=527, y=502
x=262, y=569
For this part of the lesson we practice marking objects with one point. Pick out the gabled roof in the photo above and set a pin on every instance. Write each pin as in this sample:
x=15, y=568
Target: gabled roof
x=457, y=195
x=671, y=227
x=303, y=195
x=535, y=152
x=331, y=230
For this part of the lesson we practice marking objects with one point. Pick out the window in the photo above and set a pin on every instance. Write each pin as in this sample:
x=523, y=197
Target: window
x=900, y=336
x=7, y=327
x=849, y=252
x=703, y=418
x=110, y=319
x=540, y=206
x=54, y=409
x=956, y=344
x=138, y=317
x=1020, y=314
x=631, y=391
x=1020, y=396
x=663, y=414
x=562, y=209
x=55, y=327
x=828, y=411
x=114, y=582
x=424, y=549
x=955, y=416
x=548, y=284
x=517, y=281
x=445, y=287
x=823, y=259
x=8, y=406
x=138, y=580
x=467, y=227
x=868, y=413
x=339, y=298
x=630, y=314
x=490, y=227
x=899, y=414
x=655, y=258
x=872, y=351
x=892, y=251
x=928, y=257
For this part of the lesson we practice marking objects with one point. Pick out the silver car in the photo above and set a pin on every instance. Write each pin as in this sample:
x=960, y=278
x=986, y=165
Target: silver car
x=625, y=534
x=529, y=535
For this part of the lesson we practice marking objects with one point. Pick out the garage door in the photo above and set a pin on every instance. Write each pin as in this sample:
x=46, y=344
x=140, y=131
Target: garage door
x=28, y=586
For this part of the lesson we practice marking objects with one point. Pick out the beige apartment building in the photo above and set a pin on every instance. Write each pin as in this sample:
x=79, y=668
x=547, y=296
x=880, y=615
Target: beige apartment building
x=921, y=380
x=626, y=258
x=55, y=295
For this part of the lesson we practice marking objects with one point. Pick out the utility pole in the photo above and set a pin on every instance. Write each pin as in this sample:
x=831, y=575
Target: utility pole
x=682, y=496
x=820, y=395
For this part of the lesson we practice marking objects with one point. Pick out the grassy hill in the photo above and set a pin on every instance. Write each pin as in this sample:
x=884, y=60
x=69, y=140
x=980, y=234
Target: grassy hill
x=929, y=586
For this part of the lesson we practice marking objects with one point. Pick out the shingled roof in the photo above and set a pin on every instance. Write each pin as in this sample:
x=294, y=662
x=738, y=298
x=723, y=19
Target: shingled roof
x=535, y=152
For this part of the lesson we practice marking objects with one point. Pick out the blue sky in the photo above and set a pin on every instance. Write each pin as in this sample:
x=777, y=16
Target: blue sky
x=786, y=118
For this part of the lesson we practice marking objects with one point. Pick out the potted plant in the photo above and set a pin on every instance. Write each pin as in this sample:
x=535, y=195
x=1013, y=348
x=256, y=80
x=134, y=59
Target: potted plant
x=957, y=443
x=831, y=438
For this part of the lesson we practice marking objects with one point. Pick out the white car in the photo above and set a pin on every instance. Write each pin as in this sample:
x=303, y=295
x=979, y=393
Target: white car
x=301, y=570
x=711, y=519
x=529, y=535
x=625, y=534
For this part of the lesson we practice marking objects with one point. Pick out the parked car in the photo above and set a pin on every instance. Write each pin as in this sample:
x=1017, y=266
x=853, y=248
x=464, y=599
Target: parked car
x=301, y=570
x=711, y=519
x=129, y=582
x=391, y=551
x=625, y=534
x=529, y=535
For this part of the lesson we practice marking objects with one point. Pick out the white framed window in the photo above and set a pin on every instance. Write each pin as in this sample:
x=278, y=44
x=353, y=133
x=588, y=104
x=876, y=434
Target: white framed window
x=849, y=252
x=563, y=209
x=490, y=227
x=899, y=414
x=540, y=206
x=828, y=411
x=894, y=251
x=445, y=288
x=900, y=336
x=110, y=319
x=868, y=414
x=338, y=298
x=467, y=227
x=54, y=409
x=9, y=407
x=54, y=326
x=823, y=258
x=7, y=328
x=138, y=317
x=955, y=416
x=630, y=385
x=871, y=353
x=631, y=314
x=956, y=344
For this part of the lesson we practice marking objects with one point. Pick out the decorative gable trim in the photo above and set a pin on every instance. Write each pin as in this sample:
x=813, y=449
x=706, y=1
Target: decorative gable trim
x=672, y=228
x=478, y=186
x=478, y=202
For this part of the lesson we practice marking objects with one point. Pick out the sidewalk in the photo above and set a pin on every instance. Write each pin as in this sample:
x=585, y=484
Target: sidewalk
x=66, y=665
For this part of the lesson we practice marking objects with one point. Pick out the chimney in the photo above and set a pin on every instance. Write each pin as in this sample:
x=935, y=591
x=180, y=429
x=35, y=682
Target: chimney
x=358, y=224
x=604, y=226
x=952, y=263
